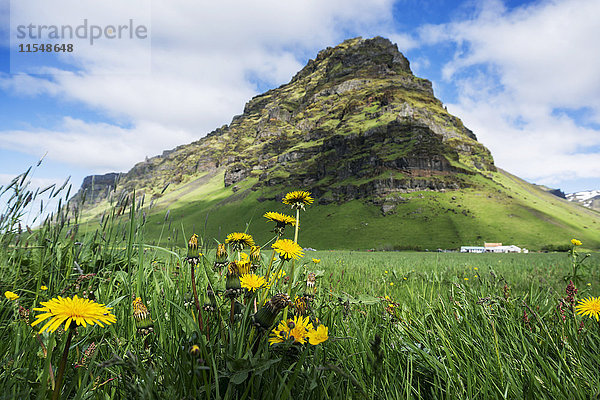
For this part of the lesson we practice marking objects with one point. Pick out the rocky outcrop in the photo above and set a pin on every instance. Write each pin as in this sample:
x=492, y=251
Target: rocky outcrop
x=558, y=193
x=96, y=188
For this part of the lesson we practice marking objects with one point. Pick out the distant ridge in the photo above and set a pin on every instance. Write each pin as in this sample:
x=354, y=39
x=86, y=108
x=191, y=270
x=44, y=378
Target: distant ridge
x=587, y=198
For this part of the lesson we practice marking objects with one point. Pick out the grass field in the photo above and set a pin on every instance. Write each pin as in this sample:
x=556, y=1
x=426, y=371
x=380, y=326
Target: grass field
x=399, y=325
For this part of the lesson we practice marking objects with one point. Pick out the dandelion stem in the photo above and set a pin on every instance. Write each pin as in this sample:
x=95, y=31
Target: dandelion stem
x=291, y=281
x=290, y=284
x=271, y=262
x=297, y=225
x=231, y=312
x=61, y=367
x=197, y=302
x=268, y=274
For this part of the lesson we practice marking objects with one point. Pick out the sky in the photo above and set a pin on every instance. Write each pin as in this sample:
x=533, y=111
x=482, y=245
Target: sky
x=522, y=75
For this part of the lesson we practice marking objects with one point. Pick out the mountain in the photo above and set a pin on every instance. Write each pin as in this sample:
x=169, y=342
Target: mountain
x=388, y=165
x=588, y=198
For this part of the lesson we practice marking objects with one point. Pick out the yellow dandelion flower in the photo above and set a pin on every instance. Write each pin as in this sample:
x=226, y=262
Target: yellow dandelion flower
x=280, y=333
x=576, y=242
x=280, y=219
x=476, y=268
x=10, y=295
x=298, y=199
x=195, y=350
x=385, y=271
x=252, y=281
x=318, y=335
x=466, y=279
x=288, y=249
x=589, y=306
x=240, y=240
x=316, y=260
x=67, y=310
x=43, y=287
x=300, y=328
x=391, y=283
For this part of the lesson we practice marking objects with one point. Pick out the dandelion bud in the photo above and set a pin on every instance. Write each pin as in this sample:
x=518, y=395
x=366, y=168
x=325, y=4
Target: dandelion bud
x=244, y=267
x=141, y=315
x=233, y=286
x=310, y=280
x=265, y=316
x=221, y=252
x=302, y=304
x=212, y=304
x=255, y=254
x=193, y=254
x=221, y=258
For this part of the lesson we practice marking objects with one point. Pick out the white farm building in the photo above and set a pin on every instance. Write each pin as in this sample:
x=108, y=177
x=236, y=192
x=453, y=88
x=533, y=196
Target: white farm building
x=493, y=248
x=472, y=249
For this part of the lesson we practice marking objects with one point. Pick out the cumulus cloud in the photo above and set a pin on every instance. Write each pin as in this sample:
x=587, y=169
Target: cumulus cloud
x=206, y=60
x=98, y=146
x=528, y=84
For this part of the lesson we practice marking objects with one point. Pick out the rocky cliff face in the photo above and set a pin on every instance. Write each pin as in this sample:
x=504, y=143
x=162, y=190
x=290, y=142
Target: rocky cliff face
x=353, y=123
x=96, y=188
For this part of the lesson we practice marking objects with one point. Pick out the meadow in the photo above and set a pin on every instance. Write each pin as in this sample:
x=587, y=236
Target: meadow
x=193, y=322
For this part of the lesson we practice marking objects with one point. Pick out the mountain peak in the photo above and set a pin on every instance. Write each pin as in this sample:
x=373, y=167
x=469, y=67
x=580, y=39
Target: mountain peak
x=357, y=57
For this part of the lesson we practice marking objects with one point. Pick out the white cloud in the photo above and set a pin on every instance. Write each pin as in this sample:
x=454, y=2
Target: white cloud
x=515, y=71
x=6, y=179
x=203, y=56
x=404, y=41
x=100, y=147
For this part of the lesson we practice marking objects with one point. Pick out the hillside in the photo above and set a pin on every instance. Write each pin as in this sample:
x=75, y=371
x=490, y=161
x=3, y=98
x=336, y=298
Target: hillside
x=388, y=165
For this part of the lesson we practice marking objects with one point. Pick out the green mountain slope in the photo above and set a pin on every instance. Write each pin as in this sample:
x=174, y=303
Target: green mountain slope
x=501, y=209
x=387, y=164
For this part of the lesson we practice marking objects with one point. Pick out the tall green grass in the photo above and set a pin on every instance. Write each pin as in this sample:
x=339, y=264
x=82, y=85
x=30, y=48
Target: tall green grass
x=452, y=326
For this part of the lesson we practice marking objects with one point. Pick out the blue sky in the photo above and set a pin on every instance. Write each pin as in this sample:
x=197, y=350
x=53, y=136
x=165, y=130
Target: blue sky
x=523, y=75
